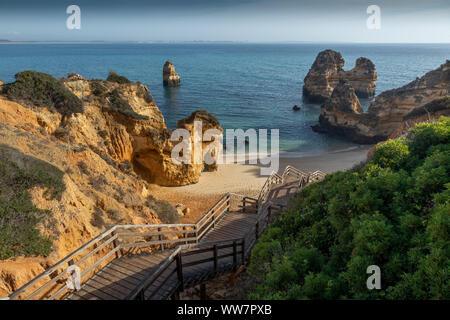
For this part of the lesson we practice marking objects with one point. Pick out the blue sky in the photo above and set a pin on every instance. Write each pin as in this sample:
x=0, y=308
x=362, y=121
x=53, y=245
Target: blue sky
x=227, y=20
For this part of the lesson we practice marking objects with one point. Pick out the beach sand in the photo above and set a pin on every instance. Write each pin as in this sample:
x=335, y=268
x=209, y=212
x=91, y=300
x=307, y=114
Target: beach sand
x=247, y=180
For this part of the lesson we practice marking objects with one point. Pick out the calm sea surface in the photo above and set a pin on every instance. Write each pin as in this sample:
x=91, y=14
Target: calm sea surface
x=244, y=85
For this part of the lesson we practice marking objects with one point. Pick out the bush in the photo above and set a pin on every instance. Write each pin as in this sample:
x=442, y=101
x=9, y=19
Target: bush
x=393, y=212
x=18, y=215
x=391, y=153
x=42, y=90
x=114, y=77
x=166, y=212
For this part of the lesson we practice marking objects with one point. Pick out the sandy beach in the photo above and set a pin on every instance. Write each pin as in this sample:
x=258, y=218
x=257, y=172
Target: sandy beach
x=246, y=179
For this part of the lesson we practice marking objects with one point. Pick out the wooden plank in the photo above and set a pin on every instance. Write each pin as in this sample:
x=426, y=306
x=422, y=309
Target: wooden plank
x=116, y=271
x=155, y=259
x=108, y=288
x=84, y=295
x=98, y=292
x=131, y=269
x=114, y=285
x=135, y=275
x=119, y=280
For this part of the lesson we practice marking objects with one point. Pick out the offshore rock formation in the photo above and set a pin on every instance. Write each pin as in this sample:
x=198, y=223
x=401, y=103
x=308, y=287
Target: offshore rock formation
x=326, y=72
x=108, y=153
x=170, y=77
x=389, y=109
x=343, y=102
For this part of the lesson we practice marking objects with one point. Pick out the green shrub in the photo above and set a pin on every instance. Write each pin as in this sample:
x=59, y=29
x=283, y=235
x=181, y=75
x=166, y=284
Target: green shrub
x=114, y=77
x=391, y=154
x=18, y=215
x=42, y=90
x=425, y=135
x=166, y=212
x=393, y=212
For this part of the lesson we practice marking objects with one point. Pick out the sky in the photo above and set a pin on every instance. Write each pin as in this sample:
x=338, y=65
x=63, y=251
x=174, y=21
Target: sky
x=414, y=21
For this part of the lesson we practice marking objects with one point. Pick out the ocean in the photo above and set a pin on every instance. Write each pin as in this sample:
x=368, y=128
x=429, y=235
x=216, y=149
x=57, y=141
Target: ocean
x=245, y=85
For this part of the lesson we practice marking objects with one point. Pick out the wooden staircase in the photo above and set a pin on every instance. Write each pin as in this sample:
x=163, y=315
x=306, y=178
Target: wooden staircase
x=159, y=261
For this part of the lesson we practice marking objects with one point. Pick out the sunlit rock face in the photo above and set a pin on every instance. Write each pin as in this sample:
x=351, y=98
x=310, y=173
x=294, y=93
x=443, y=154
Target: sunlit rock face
x=108, y=153
x=133, y=130
x=326, y=72
x=170, y=77
x=428, y=94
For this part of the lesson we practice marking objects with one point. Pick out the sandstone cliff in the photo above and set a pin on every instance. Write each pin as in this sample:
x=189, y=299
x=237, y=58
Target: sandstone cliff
x=326, y=72
x=170, y=77
x=107, y=141
x=388, y=110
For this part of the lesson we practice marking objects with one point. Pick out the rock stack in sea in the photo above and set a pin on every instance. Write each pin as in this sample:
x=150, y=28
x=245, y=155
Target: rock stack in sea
x=424, y=98
x=326, y=72
x=170, y=77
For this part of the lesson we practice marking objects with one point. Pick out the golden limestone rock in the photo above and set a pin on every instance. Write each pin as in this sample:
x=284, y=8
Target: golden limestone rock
x=170, y=77
x=326, y=72
x=424, y=97
x=105, y=141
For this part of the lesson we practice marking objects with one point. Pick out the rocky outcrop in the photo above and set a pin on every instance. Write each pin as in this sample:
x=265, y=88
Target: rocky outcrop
x=170, y=77
x=389, y=109
x=343, y=109
x=430, y=112
x=208, y=122
x=326, y=72
x=108, y=154
x=133, y=130
x=363, y=78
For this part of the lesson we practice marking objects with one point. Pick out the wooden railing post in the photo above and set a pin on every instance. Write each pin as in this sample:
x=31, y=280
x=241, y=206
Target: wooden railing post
x=180, y=272
x=160, y=238
x=184, y=234
x=213, y=218
x=216, y=262
x=116, y=244
x=234, y=255
x=243, y=251
x=228, y=203
x=141, y=295
x=243, y=204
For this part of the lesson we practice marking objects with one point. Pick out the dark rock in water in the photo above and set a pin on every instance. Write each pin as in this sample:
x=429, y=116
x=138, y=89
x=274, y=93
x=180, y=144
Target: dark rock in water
x=296, y=108
x=319, y=129
x=327, y=71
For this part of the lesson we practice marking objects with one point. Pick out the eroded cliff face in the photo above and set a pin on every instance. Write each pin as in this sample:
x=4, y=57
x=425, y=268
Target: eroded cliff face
x=386, y=113
x=326, y=72
x=170, y=77
x=123, y=122
x=109, y=153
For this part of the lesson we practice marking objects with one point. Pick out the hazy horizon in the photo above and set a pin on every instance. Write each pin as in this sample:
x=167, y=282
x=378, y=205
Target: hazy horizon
x=260, y=21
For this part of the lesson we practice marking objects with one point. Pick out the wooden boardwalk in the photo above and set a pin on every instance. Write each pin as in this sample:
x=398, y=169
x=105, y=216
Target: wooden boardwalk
x=159, y=261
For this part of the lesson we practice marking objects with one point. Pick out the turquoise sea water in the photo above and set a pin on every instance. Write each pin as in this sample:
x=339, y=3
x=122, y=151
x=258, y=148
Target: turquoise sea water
x=244, y=85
